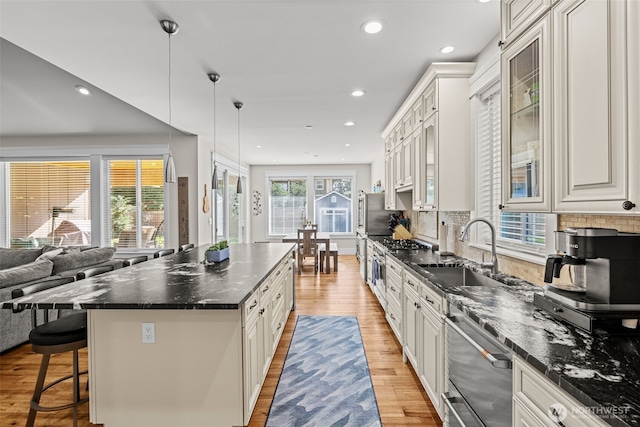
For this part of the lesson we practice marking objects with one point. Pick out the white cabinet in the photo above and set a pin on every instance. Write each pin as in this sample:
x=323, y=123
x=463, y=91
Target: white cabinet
x=424, y=335
x=537, y=401
x=390, y=179
x=394, y=296
x=434, y=162
x=595, y=106
x=518, y=15
x=265, y=314
x=526, y=121
x=411, y=321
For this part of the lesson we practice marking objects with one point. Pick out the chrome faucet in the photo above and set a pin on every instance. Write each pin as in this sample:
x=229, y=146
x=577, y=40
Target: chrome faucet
x=494, y=259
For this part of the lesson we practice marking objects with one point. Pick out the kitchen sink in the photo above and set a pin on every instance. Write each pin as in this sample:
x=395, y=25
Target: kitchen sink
x=460, y=276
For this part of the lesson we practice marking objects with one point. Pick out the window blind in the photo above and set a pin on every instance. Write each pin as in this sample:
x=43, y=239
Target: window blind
x=517, y=231
x=50, y=203
x=135, y=203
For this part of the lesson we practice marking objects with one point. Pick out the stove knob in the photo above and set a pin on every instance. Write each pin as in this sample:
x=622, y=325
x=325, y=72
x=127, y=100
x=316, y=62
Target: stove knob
x=557, y=309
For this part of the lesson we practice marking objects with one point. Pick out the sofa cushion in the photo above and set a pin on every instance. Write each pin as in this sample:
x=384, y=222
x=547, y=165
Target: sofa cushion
x=50, y=254
x=25, y=273
x=70, y=261
x=15, y=257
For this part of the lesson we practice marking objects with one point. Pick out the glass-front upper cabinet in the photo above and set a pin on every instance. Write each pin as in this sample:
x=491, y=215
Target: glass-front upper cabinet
x=526, y=124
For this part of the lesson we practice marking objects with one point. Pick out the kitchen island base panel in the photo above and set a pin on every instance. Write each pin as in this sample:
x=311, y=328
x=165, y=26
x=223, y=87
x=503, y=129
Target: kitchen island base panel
x=191, y=375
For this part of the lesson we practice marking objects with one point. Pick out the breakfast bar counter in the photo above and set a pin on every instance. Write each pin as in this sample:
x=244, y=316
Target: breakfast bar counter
x=214, y=329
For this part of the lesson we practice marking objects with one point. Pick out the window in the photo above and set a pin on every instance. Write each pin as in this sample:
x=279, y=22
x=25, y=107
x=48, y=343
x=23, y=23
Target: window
x=135, y=194
x=521, y=232
x=324, y=198
x=333, y=205
x=49, y=203
x=287, y=205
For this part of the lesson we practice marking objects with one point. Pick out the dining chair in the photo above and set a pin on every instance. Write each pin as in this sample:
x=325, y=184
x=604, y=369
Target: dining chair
x=186, y=247
x=307, y=247
x=163, y=252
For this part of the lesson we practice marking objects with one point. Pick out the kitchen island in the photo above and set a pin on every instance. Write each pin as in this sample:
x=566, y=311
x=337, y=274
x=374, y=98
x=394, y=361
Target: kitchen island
x=215, y=329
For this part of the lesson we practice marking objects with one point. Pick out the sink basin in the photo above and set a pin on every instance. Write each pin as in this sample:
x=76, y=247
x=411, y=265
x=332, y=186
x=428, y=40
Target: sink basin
x=460, y=276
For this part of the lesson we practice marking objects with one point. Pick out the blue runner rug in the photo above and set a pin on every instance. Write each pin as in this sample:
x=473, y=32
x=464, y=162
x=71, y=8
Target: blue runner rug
x=325, y=380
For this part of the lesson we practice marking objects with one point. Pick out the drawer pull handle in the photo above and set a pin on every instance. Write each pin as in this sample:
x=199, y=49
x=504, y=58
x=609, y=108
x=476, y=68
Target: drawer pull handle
x=252, y=306
x=279, y=326
x=265, y=289
x=393, y=289
x=279, y=296
x=499, y=361
x=278, y=273
x=413, y=285
x=392, y=316
x=557, y=310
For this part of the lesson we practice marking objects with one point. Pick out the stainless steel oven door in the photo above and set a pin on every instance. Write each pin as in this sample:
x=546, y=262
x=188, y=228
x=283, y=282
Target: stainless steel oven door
x=480, y=370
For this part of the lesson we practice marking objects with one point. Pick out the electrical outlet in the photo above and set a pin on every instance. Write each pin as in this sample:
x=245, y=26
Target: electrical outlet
x=148, y=333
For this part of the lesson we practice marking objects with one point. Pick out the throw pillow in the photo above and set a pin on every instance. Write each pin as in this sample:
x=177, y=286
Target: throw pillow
x=50, y=254
x=71, y=261
x=25, y=273
x=15, y=257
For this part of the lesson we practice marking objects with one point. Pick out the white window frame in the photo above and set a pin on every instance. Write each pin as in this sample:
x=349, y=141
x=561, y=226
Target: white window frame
x=95, y=155
x=483, y=82
x=226, y=167
x=311, y=176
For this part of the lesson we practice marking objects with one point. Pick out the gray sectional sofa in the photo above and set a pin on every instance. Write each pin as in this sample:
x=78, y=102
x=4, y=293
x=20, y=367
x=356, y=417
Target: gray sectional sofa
x=21, y=267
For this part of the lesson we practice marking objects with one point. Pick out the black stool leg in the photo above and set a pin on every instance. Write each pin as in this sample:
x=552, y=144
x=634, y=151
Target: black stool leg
x=38, y=391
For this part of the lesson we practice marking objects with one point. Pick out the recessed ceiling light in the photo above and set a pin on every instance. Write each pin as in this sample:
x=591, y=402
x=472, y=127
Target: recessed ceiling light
x=372, y=27
x=342, y=160
x=447, y=49
x=349, y=123
x=258, y=146
x=357, y=92
x=347, y=145
x=83, y=90
x=484, y=1
x=308, y=127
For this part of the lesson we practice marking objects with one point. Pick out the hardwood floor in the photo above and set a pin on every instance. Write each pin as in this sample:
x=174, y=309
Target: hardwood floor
x=401, y=399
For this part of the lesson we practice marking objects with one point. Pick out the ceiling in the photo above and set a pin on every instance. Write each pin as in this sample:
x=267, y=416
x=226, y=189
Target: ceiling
x=292, y=63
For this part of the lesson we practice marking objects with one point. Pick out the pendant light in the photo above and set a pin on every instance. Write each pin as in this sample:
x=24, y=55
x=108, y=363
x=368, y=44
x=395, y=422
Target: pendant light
x=170, y=28
x=215, y=78
x=239, y=105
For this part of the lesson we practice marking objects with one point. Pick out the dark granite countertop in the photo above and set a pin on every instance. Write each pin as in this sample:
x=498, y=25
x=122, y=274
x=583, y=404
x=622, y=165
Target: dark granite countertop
x=179, y=281
x=599, y=370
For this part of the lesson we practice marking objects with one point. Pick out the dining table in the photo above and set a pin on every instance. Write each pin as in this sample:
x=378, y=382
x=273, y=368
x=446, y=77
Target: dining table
x=321, y=238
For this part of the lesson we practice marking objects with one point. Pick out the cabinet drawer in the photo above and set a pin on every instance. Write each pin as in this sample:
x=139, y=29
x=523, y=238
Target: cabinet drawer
x=394, y=318
x=394, y=267
x=412, y=283
x=431, y=298
x=251, y=307
x=538, y=394
x=394, y=288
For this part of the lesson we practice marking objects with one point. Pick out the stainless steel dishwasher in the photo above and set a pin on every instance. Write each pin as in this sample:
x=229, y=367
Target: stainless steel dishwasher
x=480, y=375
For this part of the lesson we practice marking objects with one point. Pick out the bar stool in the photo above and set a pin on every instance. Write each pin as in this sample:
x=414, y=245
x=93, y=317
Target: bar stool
x=163, y=252
x=69, y=333
x=186, y=247
x=135, y=260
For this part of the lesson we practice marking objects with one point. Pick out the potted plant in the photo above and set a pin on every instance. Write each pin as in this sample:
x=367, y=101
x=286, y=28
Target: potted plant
x=217, y=252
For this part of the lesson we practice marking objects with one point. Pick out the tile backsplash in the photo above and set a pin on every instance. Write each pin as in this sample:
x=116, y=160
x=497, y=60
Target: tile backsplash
x=425, y=227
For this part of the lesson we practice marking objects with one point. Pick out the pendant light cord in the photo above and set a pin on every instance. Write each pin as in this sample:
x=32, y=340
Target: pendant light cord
x=169, y=93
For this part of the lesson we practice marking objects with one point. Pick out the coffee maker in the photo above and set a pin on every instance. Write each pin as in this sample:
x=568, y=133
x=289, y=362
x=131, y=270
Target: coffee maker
x=602, y=284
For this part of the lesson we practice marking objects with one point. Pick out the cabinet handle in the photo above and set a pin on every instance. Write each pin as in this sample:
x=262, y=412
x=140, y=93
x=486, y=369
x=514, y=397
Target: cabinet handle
x=252, y=306
x=279, y=296
x=432, y=302
x=265, y=289
x=261, y=311
x=393, y=289
x=279, y=326
x=500, y=206
x=392, y=316
x=411, y=283
x=417, y=305
x=278, y=273
x=628, y=205
x=500, y=43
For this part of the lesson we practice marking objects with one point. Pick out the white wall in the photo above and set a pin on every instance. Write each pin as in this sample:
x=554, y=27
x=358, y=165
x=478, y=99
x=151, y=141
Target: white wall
x=257, y=182
x=191, y=158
